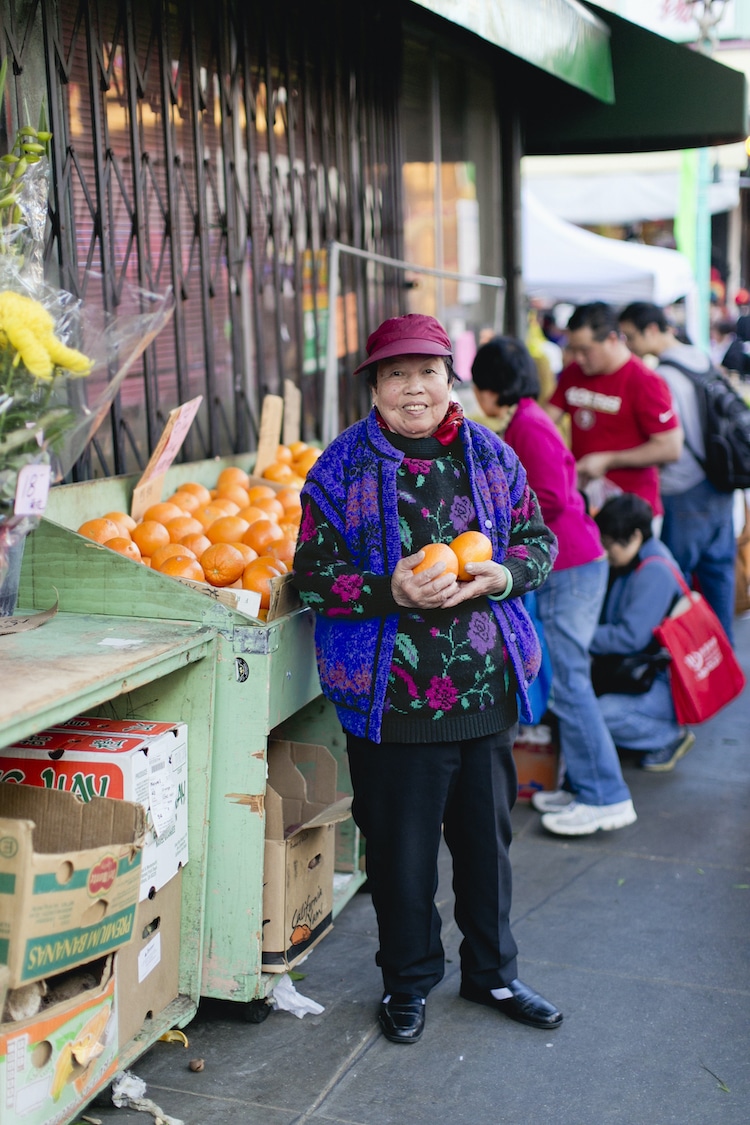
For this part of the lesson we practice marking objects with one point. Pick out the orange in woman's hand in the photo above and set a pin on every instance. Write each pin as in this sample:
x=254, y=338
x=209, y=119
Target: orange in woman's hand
x=472, y=546
x=435, y=553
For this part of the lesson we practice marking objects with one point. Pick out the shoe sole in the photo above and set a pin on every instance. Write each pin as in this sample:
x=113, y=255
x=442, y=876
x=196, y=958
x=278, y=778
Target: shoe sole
x=608, y=825
x=663, y=767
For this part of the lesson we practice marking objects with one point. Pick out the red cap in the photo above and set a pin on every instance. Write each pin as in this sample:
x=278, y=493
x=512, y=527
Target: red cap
x=413, y=334
x=743, y=297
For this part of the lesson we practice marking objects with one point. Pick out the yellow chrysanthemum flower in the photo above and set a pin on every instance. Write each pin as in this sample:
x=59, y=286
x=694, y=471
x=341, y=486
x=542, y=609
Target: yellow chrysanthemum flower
x=30, y=329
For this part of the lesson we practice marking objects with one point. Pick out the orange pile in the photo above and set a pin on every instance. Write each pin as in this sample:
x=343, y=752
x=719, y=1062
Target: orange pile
x=239, y=534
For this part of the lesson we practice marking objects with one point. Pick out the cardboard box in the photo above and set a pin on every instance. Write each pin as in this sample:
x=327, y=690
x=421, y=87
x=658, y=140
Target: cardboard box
x=301, y=814
x=148, y=969
x=537, y=758
x=52, y=1064
x=129, y=759
x=69, y=878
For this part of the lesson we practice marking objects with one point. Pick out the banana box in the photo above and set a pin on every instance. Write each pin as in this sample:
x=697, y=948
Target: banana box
x=70, y=873
x=135, y=760
x=53, y=1063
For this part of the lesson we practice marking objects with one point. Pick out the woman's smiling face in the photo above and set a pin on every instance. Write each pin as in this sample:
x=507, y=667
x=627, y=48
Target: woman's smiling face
x=412, y=393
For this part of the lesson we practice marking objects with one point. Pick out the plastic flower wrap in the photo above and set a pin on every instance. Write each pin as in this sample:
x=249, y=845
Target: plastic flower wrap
x=61, y=364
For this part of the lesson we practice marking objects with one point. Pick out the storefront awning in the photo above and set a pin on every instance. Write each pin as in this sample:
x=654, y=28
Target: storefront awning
x=667, y=96
x=560, y=37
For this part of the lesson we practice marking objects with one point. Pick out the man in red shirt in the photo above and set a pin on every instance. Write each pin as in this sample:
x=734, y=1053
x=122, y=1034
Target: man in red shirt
x=623, y=424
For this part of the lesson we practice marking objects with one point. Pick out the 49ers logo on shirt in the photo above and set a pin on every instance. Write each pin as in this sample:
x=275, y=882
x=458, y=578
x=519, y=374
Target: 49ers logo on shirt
x=584, y=419
x=102, y=875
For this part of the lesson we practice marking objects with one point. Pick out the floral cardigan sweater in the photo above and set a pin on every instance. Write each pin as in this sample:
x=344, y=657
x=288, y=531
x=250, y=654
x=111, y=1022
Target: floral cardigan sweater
x=373, y=497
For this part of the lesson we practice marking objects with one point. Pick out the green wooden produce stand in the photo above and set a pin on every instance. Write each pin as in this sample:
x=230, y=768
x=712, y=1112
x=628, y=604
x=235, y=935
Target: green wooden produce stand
x=126, y=666
x=265, y=685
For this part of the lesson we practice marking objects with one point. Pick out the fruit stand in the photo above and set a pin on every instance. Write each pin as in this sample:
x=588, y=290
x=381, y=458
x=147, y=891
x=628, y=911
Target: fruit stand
x=265, y=685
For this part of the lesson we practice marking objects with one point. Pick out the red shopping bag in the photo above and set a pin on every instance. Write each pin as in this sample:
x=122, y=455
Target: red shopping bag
x=704, y=673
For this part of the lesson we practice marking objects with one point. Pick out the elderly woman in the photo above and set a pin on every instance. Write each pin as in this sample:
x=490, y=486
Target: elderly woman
x=423, y=669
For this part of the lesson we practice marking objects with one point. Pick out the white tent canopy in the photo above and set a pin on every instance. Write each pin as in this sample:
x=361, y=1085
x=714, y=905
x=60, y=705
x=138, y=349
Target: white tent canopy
x=562, y=262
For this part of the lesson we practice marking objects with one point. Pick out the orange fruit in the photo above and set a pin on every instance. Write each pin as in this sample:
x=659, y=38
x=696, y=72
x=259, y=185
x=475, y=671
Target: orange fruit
x=125, y=547
x=284, y=454
x=471, y=546
x=290, y=500
x=208, y=513
x=435, y=553
x=306, y=460
x=261, y=533
x=146, y=560
x=198, y=490
x=290, y=528
x=169, y=551
x=227, y=529
x=222, y=564
x=162, y=512
x=100, y=530
x=228, y=507
x=258, y=491
x=150, y=535
x=282, y=550
x=248, y=554
x=233, y=474
x=276, y=564
x=271, y=507
x=232, y=492
x=122, y=519
x=297, y=448
x=257, y=576
x=188, y=501
x=278, y=471
x=182, y=566
x=252, y=513
x=183, y=525
x=196, y=543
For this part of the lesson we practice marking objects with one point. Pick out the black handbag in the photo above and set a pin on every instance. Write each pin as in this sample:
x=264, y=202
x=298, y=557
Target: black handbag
x=629, y=674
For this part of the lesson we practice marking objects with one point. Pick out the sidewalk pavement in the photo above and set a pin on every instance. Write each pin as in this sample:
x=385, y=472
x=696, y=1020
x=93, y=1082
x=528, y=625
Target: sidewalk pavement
x=640, y=936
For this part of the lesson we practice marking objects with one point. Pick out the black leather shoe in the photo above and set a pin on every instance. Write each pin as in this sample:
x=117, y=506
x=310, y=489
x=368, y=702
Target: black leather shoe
x=525, y=1005
x=402, y=1017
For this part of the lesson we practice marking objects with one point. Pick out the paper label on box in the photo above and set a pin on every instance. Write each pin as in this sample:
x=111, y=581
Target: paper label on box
x=162, y=791
x=149, y=957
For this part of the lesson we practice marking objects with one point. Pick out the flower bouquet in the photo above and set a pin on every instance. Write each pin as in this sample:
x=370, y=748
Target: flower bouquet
x=60, y=364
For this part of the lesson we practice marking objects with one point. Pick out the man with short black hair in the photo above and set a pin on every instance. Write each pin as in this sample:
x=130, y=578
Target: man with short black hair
x=698, y=523
x=623, y=424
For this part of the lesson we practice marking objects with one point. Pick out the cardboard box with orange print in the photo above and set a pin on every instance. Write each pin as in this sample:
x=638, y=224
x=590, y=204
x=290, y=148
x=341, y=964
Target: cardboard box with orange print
x=135, y=760
x=53, y=1063
x=301, y=817
x=70, y=873
x=537, y=759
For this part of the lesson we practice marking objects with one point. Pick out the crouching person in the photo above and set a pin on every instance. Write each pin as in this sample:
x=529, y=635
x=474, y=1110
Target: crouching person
x=634, y=694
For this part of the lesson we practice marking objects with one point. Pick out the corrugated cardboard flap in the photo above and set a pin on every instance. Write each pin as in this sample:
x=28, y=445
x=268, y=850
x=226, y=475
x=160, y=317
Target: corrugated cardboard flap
x=63, y=823
x=301, y=791
x=331, y=814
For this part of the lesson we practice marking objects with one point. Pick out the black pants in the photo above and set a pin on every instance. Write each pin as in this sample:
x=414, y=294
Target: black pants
x=403, y=795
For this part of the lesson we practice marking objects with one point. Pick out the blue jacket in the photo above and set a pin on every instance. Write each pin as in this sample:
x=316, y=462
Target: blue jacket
x=637, y=602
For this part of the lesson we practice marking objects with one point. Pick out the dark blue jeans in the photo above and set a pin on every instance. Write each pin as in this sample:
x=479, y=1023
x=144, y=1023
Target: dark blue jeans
x=699, y=531
x=404, y=793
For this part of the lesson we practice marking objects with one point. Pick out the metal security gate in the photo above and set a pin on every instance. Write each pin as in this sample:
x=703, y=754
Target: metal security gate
x=217, y=149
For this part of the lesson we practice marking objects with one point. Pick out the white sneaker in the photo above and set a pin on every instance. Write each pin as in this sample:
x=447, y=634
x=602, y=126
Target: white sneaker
x=582, y=820
x=546, y=801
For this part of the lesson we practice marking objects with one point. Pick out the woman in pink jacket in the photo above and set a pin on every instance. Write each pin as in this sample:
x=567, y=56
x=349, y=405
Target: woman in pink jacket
x=569, y=603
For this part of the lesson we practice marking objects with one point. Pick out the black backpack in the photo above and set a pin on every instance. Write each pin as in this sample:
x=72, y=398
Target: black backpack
x=725, y=418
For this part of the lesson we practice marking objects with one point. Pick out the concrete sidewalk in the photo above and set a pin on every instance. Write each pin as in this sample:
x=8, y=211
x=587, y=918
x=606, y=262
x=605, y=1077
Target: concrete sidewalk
x=640, y=936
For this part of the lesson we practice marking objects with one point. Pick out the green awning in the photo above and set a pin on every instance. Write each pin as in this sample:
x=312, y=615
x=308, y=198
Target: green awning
x=667, y=96
x=560, y=37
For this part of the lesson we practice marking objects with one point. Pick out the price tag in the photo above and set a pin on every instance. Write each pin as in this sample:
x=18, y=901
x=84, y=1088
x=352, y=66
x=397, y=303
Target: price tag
x=32, y=490
x=149, y=487
x=270, y=432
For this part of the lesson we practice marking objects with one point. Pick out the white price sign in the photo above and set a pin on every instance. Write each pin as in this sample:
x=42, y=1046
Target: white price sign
x=32, y=490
